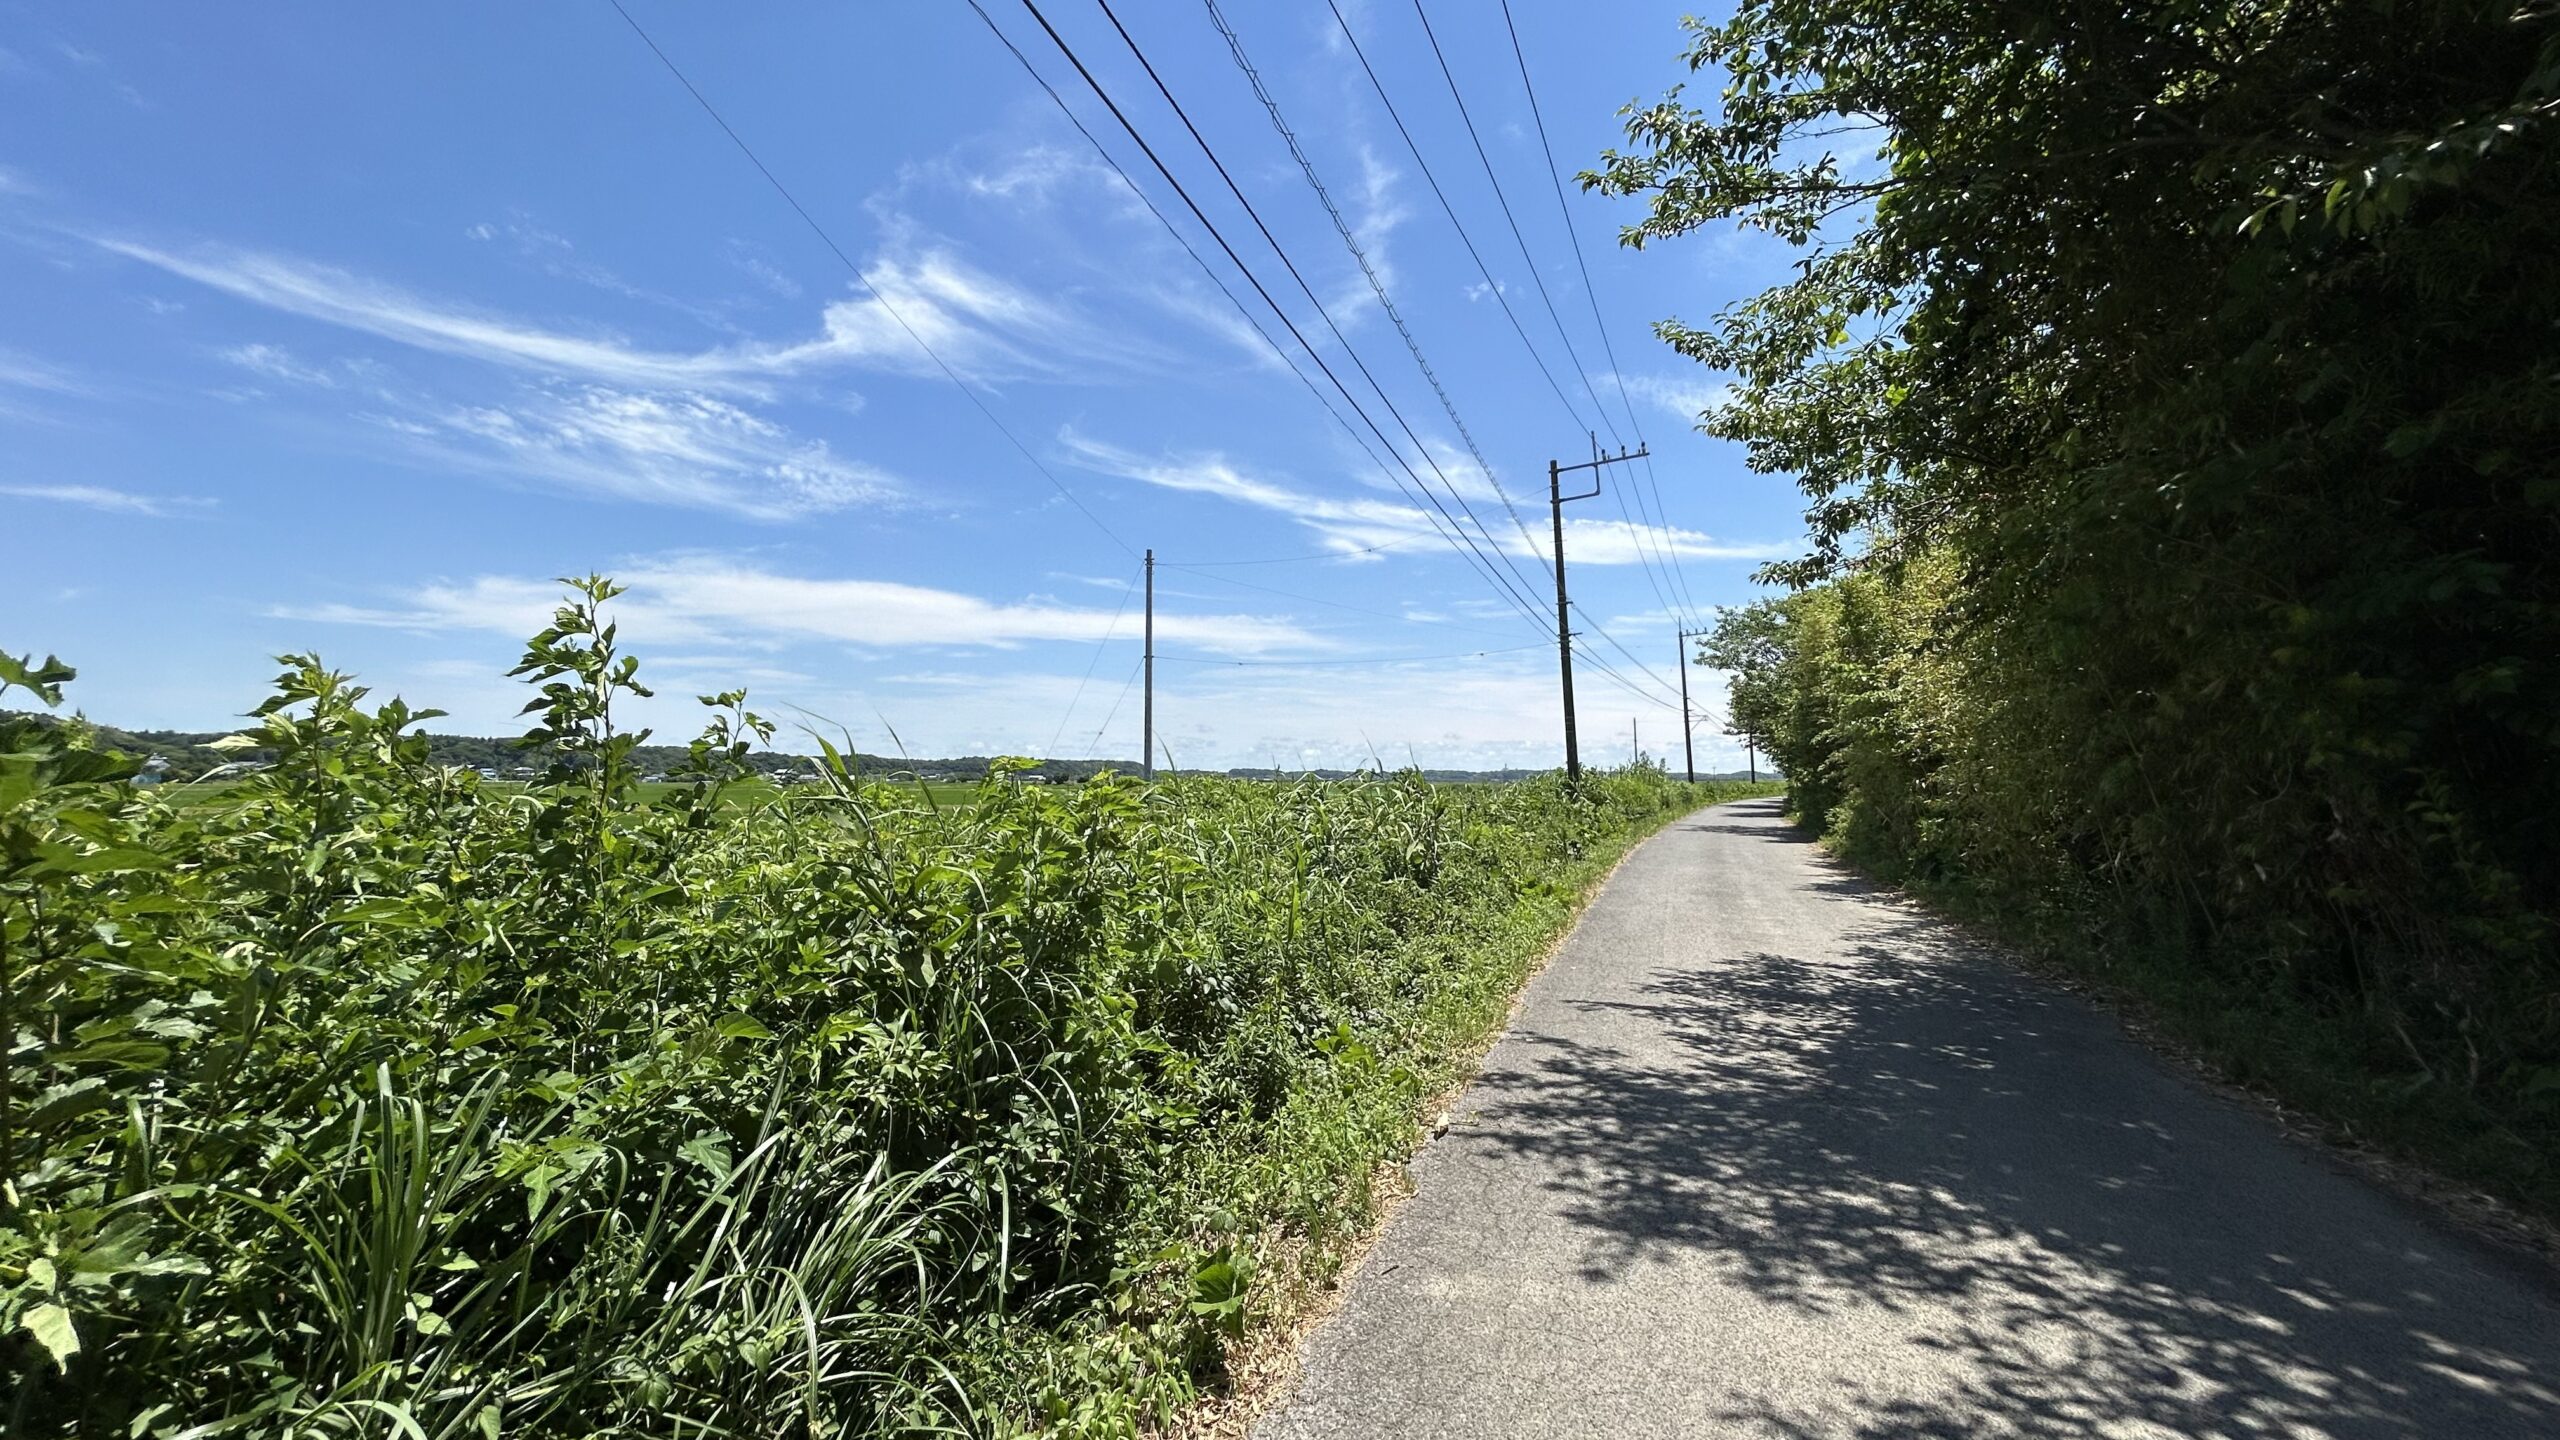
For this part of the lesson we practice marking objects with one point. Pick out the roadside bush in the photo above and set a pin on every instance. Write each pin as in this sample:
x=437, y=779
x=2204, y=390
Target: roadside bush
x=370, y=1097
x=2172, y=386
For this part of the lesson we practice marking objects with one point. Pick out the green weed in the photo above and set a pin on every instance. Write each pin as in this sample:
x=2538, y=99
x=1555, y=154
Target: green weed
x=370, y=1098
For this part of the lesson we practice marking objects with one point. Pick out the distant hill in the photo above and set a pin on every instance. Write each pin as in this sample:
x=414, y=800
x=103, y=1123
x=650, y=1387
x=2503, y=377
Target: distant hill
x=188, y=758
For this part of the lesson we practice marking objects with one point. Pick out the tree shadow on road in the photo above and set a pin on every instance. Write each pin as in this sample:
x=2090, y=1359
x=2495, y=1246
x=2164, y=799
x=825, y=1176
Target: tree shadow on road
x=1767, y=821
x=1897, y=1122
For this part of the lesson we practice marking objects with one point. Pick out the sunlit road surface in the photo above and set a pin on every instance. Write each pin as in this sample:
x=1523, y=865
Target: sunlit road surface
x=1771, y=1153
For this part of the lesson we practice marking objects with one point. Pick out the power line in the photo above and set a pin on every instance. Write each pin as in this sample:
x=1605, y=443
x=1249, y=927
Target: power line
x=1098, y=647
x=1250, y=319
x=1492, y=286
x=1349, y=351
x=1635, y=538
x=1593, y=627
x=980, y=403
x=1161, y=218
x=1664, y=541
x=1505, y=203
x=874, y=291
x=1095, y=744
x=1358, y=660
x=1614, y=677
x=1485, y=567
x=1591, y=294
x=1610, y=673
x=1281, y=559
x=1315, y=599
x=1511, y=222
x=1666, y=552
x=1351, y=242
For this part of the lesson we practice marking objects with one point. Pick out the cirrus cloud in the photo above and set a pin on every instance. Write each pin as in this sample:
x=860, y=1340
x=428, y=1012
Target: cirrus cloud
x=979, y=325
x=679, y=448
x=100, y=497
x=1364, y=524
x=712, y=600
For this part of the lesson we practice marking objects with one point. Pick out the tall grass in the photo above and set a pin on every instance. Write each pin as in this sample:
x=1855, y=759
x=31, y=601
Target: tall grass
x=370, y=1100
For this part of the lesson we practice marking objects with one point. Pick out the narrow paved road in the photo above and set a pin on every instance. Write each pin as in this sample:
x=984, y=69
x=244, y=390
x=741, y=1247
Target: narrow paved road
x=1769, y=1153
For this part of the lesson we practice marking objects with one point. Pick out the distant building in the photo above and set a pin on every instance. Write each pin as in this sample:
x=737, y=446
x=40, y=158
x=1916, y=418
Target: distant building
x=153, y=771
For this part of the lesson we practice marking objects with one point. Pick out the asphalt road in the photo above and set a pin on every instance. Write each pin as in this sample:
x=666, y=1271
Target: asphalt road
x=1770, y=1153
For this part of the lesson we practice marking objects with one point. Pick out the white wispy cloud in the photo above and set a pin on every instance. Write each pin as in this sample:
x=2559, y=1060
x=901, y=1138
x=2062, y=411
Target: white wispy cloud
x=1683, y=397
x=339, y=297
x=981, y=325
x=1364, y=523
x=556, y=255
x=99, y=497
x=1009, y=178
x=977, y=323
x=26, y=372
x=1060, y=186
x=678, y=448
x=1616, y=542
x=1353, y=524
x=277, y=363
x=1182, y=294
x=1377, y=209
x=611, y=419
x=756, y=264
x=709, y=600
x=1032, y=174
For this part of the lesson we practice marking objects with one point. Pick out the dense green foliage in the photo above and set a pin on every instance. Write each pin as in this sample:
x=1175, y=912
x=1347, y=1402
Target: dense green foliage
x=2178, y=390
x=376, y=1099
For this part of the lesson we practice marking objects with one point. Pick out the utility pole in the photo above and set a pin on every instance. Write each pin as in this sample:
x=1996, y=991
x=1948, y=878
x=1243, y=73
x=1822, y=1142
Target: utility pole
x=1564, y=635
x=1564, y=630
x=1635, y=745
x=1688, y=742
x=1147, y=756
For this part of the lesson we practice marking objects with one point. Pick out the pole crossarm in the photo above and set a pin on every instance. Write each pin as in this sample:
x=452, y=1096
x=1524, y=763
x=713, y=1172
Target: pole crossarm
x=1638, y=453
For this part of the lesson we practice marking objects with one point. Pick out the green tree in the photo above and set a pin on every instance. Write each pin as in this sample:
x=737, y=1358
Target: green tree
x=2175, y=391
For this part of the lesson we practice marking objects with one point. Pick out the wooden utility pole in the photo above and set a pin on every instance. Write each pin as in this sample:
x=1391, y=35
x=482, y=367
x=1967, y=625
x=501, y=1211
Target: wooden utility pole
x=1688, y=743
x=1564, y=629
x=1147, y=756
x=1564, y=635
x=1635, y=744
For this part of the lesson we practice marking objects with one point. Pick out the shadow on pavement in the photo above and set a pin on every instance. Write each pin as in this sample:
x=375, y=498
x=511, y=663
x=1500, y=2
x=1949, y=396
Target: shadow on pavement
x=2109, y=1250
x=1770, y=823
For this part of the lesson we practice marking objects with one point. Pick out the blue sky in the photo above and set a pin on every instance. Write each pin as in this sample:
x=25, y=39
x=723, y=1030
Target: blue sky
x=345, y=328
